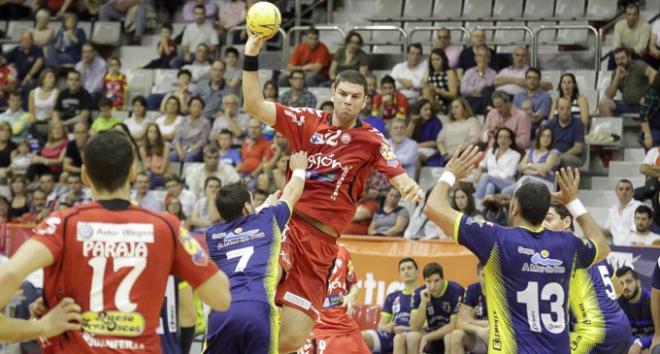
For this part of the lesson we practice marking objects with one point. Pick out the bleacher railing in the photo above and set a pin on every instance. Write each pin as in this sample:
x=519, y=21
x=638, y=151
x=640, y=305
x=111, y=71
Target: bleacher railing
x=596, y=37
x=373, y=28
x=530, y=34
x=463, y=30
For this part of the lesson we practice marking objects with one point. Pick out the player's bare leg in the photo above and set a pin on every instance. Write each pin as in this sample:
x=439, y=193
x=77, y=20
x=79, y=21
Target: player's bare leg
x=461, y=340
x=412, y=342
x=399, y=343
x=295, y=326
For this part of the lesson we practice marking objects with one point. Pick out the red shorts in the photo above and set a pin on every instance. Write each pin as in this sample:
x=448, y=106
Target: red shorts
x=307, y=257
x=351, y=343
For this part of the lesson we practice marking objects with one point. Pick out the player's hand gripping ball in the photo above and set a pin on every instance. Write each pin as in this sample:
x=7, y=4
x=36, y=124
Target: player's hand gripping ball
x=264, y=19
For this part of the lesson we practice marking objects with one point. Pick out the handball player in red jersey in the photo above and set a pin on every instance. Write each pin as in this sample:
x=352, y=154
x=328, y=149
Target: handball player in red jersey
x=113, y=259
x=343, y=151
x=337, y=332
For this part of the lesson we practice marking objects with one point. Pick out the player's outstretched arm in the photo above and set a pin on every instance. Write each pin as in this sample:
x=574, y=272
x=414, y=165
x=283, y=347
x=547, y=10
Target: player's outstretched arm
x=63, y=317
x=568, y=180
x=408, y=188
x=253, y=100
x=294, y=188
x=215, y=291
x=438, y=209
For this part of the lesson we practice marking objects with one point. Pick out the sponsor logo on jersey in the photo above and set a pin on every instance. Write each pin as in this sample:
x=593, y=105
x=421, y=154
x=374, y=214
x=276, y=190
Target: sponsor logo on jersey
x=96, y=342
x=388, y=154
x=527, y=251
x=318, y=160
x=297, y=300
x=542, y=263
x=331, y=138
x=237, y=236
x=114, y=233
x=193, y=248
x=113, y=323
x=345, y=138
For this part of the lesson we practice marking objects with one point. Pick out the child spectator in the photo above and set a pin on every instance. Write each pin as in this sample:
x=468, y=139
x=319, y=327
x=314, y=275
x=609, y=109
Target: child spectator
x=21, y=158
x=115, y=83
x=166, y=49
x=105, y=120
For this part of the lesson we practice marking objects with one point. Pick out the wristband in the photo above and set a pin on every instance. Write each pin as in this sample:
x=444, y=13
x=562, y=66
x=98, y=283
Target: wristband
x=576, y=208
x=448, y=178
x=250, y=63
x=300, y=173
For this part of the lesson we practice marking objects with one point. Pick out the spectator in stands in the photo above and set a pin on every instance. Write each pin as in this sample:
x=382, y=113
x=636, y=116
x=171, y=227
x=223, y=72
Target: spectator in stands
x=114, y=10
x=41, y=101
x=650, y=168
x=213, y=90
x=534, y=101
x=444, y=43
x=142, y=196
x=630, y=33
x=16, y=116
x=499, y=164
x=539, y=163
x=463, y=200
x=233, y=74
x=461, y=128
x=390, y=103
x=653, y=54
x=14, y=9
x=105, y=120
x=505, y=114
x=205, y=212
x=313, y=58
x=621, y=216
x=419, y=227
x=47, y=184
x=632, y=77
x=391, y=219
x=350, y=56
x=568, y=87
x=405, y=148
x=67, y=45
x=466, y=59
x=227, y=155
x=27, y=58
x=274, y=180
x=8, y=79
x=174, y=186
x=115, y=84
x=411, y=74
x=477, y=82
x=259, y=197
x=75, y=148
x=168, y=122
x=210, y=8
x=88, y=10
x=641, y=234
x=51, y=155
x=298, y=95
x=165, y=48
x=441, y=82
x=137, y=123
x=512, y=79
x=231, y=119
x=42, y=34
x=20, y=199
x=155, y=153
x=231, y=14
x=373, y=120
x=5, y=210
x=6, y=147
x=76, y=194
x=372, y=85
x=182, y=92
x=21, y=158
x=173, y=206
x=195, y=34
x=200, y=68
x=92, y=69
x=424, y=128
x=255, y=151
x=366, y=207
x=38, y=210
x=271, y=91
x=327, y=107
x=568, y=132
x=191, y=134
x=636, y=303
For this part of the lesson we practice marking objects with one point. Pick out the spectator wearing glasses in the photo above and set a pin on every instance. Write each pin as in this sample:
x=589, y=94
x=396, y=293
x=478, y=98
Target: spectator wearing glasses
x=313, y=58
x=505, y=114
x=443, y=42
x=213, y=90
x=477, y=82
x=298, y=95
x=534, y=101
x=350, y=57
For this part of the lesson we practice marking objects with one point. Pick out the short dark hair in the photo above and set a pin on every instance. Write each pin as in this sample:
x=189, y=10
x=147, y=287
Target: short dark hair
x=114, y=58
x=625, y=270
x=533, y=70
x=198, y=99
x=108, y=158
x=75, y=72
x=211, y=179
x=167, y=26
x=104, y=102
x=433, y=268
x=15, y=93
x=415, y=45
x=534, y=201
x=201, y=7
x=183, y=72
x=172, y=177
x=644, y=209
x=141, y=100
x=231, y=201
x=408, y=259
x=296, y=71
x=313, y=31
x=387, y=80
x=621, y=49
x=562, y=211
x=226, y=132
x=232, y=50
x=326, y=103
x=352, y=34
x=625, y=180
x=352, y=77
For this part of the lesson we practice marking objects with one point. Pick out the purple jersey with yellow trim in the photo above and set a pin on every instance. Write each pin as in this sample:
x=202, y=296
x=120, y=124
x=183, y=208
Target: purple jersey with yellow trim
x=440, y=308
x=398, y=306
x=527, y=277
x=475, y=298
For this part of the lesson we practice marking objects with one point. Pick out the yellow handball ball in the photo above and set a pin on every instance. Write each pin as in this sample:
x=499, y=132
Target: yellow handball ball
x=263, y=18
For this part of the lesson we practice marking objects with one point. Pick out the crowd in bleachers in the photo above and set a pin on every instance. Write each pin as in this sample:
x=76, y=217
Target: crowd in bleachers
x=58, y=86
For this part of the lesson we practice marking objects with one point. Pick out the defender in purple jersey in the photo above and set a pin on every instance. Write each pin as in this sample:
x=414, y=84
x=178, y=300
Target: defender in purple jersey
x=527, y=268
x=247, y=246
x=471, y=333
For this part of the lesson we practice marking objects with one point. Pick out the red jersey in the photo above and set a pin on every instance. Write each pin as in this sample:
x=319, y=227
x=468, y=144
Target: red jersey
x=340, y=160
x=115, y=87
x=334, y=320
x=114, y=259
x=398, y=108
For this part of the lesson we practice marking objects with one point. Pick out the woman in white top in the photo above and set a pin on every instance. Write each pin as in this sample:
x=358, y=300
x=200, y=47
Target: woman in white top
x=41, y=101
x=168, y=122
x=462, y=128
x=138, y=122
x=500, y=164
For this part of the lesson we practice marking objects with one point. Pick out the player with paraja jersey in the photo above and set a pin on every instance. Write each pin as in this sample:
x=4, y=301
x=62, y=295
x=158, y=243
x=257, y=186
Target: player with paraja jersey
x=337, y=332
x=247, y=246
x=394, y=324
x=343, y=152
x=113, y=259
x=600, y=326
x=528, y=269
x=434, y=304
x=471, y=331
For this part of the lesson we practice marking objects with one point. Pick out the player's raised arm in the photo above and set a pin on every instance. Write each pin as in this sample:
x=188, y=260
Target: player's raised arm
x=294, y=188
x=253, y=100
x=568, y=180
x=438, y=209
x=408, y=188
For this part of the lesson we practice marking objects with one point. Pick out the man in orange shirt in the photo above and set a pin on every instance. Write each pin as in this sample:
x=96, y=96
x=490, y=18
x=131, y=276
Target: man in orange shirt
x=255, y=151
x=312, y=57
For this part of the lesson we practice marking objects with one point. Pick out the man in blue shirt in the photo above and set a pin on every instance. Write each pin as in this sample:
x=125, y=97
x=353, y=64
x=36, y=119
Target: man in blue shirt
x=569, y=134
x=534, y=100
x=28, y=59
x=636, y=303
